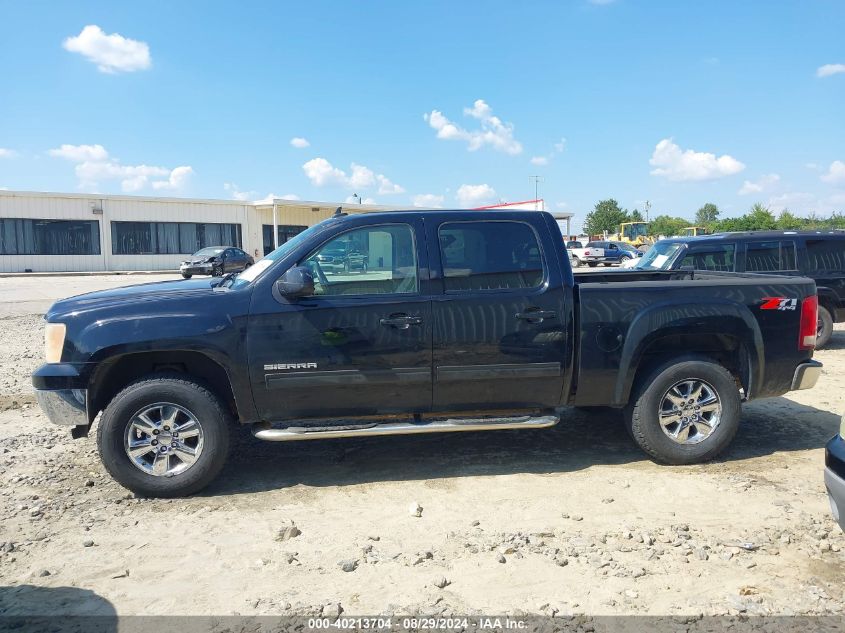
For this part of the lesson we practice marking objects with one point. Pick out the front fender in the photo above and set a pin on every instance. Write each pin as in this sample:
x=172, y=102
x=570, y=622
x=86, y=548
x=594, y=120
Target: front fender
x=675, y=317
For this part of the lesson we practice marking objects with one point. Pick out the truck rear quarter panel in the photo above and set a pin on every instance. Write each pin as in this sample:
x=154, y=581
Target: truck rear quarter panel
x=620, y=321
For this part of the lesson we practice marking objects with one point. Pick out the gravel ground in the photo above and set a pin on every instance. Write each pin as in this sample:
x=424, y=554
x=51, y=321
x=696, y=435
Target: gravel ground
x=571, y=520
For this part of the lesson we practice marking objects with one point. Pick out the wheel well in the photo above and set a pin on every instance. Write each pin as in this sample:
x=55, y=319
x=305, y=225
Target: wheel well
x=112, y=376
x=728, y=351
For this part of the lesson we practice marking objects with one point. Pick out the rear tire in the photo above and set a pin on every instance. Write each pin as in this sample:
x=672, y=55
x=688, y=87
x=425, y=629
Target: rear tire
x=702, y=440
x=127, y=411
x=608, y=264
x=575, y=262
x=186, y=275
x=825, y=328
x=592, y=264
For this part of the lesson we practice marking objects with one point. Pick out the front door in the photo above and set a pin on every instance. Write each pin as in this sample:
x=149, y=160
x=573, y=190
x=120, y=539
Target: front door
x=499, y=324
x=361, y=345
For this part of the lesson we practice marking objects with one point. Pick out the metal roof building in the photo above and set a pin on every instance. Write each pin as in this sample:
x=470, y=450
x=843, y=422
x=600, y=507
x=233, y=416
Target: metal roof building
x=57, y=232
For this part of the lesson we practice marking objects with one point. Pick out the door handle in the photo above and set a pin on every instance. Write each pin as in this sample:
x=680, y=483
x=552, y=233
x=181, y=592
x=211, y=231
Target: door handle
x=401, y=321
x=535, y=316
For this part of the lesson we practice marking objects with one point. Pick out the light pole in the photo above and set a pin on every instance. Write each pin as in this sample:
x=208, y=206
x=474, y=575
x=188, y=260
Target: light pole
x=355, y=195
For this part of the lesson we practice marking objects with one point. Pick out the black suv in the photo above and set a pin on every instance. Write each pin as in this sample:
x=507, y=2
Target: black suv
x=819, y=255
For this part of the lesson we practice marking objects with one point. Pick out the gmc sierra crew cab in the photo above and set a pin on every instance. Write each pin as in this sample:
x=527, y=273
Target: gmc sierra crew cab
x=459, y=321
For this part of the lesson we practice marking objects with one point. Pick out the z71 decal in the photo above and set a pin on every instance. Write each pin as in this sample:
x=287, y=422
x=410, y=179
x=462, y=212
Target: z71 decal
x=779, y=303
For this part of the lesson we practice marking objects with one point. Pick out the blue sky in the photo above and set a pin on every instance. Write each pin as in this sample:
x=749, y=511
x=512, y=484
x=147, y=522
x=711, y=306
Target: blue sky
x=439, y=103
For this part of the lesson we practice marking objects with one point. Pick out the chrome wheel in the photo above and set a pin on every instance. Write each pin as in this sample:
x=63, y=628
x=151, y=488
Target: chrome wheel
x=690, y=411
x=163, y=439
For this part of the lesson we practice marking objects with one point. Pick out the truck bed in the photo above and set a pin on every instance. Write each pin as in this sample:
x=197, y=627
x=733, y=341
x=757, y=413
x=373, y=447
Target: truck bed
x=619, y=309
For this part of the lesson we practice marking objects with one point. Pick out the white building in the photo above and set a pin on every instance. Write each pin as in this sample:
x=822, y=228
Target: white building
x=48, y=232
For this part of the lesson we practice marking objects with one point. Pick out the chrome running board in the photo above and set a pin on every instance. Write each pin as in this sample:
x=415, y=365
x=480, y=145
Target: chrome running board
x=263, y=430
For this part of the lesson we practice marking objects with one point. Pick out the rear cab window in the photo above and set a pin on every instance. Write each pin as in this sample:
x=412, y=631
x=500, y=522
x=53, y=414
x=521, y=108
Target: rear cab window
x=490, y=255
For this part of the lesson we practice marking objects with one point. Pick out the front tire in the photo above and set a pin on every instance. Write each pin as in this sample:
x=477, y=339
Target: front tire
x=575, y=262
x=825, y=328
x=685, y=411
x=164, y=435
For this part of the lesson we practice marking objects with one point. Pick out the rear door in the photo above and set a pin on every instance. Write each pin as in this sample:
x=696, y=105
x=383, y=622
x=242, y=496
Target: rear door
x=361, y=345
x=499, y=337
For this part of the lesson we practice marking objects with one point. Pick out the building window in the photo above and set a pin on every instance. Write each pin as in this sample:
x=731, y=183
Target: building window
x=171, y=238
x=20, y=236
x=285, y=233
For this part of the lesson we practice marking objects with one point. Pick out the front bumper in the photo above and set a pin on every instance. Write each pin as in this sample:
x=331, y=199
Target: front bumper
x=196, y=269
x=806, y=375
x=65, y=407
x=62, y=392
x=834, y=478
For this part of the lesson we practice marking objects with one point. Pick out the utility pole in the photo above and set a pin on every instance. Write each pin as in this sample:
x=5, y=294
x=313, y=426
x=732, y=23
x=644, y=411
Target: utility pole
x=537, y=180
x=647, y=207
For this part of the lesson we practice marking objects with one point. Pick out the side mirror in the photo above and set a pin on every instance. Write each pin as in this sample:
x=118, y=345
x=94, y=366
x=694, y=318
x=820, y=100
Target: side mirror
x=296, y=282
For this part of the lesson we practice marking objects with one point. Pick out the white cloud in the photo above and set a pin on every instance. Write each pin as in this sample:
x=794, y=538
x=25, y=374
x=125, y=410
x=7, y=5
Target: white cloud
x=493, y=132
x=237, y=194
x=322, y=173
x=361, y=177
x=801, y=203
x=7, y=153
x=675, y=164
x=112, y=53
x=268, y=199
x=760, y=185
x=354, y=200
x=299, y=142
x=80, y=153
x=835, y=173
x=469, y=196
x=94, y=165
x=386, y=187
x=830, y=69
x=428, y=200
x=557, y=148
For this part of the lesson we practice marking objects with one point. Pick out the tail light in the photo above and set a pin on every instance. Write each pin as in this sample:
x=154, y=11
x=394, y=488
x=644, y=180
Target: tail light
x=809, y=322
x=586, y=252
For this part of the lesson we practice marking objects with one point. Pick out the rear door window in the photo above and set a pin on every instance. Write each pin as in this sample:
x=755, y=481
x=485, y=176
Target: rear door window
x=769, y=256
x=490, y=256
x=825, y=255
x=718, y=257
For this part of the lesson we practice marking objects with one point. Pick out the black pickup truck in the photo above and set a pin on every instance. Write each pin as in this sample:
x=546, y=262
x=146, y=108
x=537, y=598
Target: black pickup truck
x=459, y=321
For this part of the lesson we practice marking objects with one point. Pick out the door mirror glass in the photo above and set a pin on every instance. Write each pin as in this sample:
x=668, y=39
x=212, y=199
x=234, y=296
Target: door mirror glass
x=296, y=282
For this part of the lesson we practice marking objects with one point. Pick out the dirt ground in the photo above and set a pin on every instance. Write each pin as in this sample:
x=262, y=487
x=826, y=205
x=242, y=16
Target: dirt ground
x=570, y=520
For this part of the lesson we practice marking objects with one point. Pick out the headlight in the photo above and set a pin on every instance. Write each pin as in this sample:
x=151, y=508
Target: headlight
x=54, y=341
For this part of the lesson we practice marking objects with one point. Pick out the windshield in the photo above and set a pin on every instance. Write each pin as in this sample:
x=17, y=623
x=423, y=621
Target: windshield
x=208, y=252
x=635, y=230
x=251, y=273
x=660, y=256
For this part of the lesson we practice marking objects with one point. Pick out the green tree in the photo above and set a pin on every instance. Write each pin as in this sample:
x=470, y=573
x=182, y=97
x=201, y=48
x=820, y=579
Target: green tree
x=667, y=225
x=635, y=216
x=789, y=222
x=707, y=215
x=760, y=218
x=607, y=216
